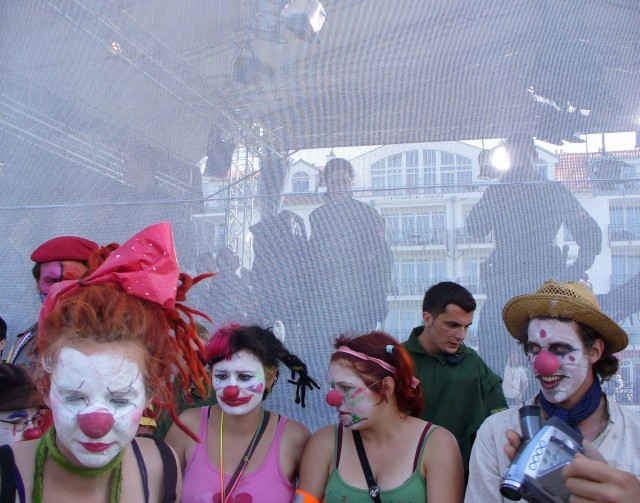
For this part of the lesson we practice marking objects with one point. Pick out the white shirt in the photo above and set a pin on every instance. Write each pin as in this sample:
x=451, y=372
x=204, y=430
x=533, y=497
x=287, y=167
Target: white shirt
x=619, y=443
x=514, y=382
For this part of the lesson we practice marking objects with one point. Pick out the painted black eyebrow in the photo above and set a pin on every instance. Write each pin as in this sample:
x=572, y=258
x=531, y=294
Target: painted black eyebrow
x=130, y=390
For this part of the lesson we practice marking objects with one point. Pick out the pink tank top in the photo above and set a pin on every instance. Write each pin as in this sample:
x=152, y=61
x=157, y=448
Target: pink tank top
x=201, y=480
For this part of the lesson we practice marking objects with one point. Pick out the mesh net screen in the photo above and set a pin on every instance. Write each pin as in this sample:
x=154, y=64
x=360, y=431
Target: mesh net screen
x=116, y=115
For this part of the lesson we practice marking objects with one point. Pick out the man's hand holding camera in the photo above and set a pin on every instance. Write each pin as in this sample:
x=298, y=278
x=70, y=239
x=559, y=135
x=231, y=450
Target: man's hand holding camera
x=588, y=477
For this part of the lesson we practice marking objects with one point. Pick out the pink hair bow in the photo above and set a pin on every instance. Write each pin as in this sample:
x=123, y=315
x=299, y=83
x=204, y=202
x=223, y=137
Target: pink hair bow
x=145, y=266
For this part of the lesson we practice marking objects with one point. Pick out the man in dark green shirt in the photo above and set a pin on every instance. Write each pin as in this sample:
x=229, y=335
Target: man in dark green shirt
x=459, y=388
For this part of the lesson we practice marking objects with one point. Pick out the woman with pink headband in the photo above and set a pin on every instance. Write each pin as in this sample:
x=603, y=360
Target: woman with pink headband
x=380, y=450
x=110, y=345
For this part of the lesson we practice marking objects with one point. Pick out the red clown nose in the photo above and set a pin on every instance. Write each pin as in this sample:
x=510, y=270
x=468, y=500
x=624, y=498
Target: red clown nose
x=231, y=392
x=32, y=433
x=95, y=424
x=334, y=398
x=546, y=364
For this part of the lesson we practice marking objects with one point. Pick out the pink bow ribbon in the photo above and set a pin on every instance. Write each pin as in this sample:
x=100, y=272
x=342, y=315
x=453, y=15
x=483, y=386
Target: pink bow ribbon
x=144, y=266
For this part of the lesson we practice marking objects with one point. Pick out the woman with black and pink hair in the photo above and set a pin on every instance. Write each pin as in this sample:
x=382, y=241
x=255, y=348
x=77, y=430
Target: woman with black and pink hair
x=246, y=453
x=110, y=345
x=380, y=450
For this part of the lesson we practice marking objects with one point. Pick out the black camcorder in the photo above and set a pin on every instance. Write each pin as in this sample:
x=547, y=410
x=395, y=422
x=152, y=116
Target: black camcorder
x=535, y=474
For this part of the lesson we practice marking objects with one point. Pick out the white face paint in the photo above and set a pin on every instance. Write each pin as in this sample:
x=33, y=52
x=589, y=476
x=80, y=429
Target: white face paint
x=105, y=379
x=13, y=423
x=245, y=371
x=358, y=401
x=571, y=381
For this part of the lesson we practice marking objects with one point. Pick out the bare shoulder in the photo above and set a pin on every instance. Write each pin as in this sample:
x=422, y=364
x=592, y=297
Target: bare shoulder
x=178, y=439
x=150, y=453
x=319, y=447
x=192, y=417
x=316, y=462
x=157, y=467
x=24, y=455
x=440, y=438
x=442, y=453
x=296, y=434
x=322, y=439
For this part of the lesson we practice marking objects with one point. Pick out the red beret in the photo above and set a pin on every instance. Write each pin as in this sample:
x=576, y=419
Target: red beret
x=64, y=248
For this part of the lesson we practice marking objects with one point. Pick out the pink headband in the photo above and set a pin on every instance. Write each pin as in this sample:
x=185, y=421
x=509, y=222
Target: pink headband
x=383, y=364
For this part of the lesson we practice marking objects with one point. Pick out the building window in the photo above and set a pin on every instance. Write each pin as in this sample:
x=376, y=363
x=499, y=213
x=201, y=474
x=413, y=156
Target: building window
x=625, y=223
x=412, y=158
x=629, y=171
x=414, y=277
x=455, y=170
x=623, y=268
x=400, y=323
x=300, y=182
x=472, y=270
x=541, y=168
x=448, y=169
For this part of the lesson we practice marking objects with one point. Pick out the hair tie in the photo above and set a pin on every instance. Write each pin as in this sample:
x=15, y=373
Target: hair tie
x=389, y=348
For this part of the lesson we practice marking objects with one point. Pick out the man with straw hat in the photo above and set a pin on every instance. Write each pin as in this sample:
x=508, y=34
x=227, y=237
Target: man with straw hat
x=570, y=345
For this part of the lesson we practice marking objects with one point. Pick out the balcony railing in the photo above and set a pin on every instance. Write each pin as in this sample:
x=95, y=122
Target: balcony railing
x=463, y=237
x=413, y=287
x=624, y=232
x=436, y=237
x=618, y=279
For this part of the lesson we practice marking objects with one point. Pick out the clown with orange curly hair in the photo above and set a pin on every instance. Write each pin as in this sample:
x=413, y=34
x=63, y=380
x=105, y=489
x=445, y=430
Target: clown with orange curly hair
x=109, y=345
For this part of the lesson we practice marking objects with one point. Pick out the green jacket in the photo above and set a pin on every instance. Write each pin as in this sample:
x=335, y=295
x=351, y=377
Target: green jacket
x=458, y=397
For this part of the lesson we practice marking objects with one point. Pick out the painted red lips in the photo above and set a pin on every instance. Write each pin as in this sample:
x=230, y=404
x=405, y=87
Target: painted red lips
x=95, y=446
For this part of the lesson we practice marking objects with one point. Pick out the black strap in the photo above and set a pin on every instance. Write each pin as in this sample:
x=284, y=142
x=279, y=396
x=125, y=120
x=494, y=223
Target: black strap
x=7, y=475
x=340, y=429
x=374, y=490
x=170, y=469
x=244, y=461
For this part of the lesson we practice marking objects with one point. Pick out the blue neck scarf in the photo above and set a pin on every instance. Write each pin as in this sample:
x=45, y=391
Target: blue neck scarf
x=580, y=411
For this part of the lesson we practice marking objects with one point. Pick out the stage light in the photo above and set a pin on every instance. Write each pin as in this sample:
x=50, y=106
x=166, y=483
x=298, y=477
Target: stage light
x=304, y=18
x=500, y=158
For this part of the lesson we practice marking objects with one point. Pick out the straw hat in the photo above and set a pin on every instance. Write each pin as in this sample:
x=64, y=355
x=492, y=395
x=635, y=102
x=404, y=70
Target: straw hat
x=563, y=300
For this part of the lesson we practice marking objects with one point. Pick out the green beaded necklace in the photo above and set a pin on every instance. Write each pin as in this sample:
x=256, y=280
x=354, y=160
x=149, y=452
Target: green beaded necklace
x=47, y=446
